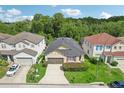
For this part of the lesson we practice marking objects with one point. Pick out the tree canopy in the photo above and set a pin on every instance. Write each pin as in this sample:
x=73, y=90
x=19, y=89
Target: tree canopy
x=59, y=26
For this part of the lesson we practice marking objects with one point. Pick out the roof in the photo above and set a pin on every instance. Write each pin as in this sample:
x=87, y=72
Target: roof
x=73, y=47
x=121, y=38
x=34, y=38
x=102, y=39
x=14, y=52
x=118, y=53
x=4, y=36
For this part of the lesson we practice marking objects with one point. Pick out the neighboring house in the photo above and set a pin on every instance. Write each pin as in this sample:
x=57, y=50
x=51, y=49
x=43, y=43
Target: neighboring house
x=105, y=46
x=64, y=50
x=22, y=48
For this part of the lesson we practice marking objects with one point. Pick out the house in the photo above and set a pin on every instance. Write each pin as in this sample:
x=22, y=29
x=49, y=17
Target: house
x=64, y=50
x=23, y=48
x=105, y=46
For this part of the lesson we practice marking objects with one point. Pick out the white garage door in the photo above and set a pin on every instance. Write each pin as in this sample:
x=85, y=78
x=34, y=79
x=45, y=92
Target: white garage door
x=120, y=61
x=24, y=61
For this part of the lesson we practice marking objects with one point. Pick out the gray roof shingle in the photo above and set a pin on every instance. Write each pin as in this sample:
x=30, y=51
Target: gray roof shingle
x=34, y=38
x=74, y=48
x=14, y=52
x=4, y=36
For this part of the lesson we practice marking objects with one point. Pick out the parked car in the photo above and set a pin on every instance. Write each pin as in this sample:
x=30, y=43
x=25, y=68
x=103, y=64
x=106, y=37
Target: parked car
x=13, y=69
x=117, y=84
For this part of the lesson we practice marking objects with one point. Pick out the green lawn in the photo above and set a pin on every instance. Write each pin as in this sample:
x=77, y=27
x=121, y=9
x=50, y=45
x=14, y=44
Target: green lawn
x=32, y=76
x=105, y=74
x=3, y=70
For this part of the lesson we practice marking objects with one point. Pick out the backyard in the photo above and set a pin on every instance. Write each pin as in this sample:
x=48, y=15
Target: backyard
x=89, y=74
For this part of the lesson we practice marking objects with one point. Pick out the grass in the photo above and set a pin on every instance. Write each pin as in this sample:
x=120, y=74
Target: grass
x=32, y=76
x=3, y=70
x=105, y=74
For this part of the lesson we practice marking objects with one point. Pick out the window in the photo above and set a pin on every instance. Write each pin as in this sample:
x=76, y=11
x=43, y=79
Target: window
x=108, y=47
x=71, y=58
x=23, y=46
x=32, y=45
x=3, y=45
x=88, y=51
x=120, y=47
x=19, y=45
x=115, y=47
x=99, y=47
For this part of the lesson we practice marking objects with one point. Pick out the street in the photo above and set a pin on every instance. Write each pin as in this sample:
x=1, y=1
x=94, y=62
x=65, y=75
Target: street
x=51, y=86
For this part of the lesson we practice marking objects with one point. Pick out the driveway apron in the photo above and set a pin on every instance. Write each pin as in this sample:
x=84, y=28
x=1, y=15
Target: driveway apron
x=54, y=75
x=19, y=77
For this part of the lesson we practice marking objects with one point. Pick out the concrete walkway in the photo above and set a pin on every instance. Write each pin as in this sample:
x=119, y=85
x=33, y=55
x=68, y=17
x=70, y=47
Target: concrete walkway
x=121, y=67
x=54, y=75
x=19, y=77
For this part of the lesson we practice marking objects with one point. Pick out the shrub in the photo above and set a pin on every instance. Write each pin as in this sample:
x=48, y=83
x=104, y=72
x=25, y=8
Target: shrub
x=3, y=63
x=93, y=60
x=114, y=63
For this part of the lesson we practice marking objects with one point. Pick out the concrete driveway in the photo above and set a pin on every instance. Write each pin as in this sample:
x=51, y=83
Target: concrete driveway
x=54, y=75
x=19, y=77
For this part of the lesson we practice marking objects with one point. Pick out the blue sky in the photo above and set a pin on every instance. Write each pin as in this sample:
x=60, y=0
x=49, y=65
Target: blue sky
x=20, y=12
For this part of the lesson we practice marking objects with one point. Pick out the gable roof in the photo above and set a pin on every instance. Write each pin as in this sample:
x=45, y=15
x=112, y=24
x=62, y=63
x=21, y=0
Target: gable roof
x=27, y=51
x=34, y=38
x=102, y=39
x=121, y=38
x=4, y=36
x=73, y=47
x=14, y=52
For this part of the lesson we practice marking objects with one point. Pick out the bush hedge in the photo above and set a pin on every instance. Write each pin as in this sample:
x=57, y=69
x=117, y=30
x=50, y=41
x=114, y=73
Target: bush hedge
x=114, y=63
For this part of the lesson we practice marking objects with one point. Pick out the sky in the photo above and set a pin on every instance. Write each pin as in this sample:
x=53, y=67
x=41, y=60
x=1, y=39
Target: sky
x=12, y=13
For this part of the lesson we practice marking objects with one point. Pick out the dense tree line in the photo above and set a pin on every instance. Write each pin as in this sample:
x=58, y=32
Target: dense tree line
x=59, y=26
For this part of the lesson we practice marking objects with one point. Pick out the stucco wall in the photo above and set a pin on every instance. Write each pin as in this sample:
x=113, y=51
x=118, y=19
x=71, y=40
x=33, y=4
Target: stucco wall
x=8, y=47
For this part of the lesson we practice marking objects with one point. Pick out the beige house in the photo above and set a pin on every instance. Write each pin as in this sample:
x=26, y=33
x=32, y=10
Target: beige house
x=105, y=46
x=22, y=48
x=64, y=50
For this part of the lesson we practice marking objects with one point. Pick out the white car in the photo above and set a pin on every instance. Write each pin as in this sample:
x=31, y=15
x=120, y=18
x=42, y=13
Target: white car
x=13, y=69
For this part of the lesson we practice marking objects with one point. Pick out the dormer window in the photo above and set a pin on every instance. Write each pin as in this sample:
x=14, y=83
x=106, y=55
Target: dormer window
x=32, y=45
x=23, y=46
x=3, y=45
x=19, y=45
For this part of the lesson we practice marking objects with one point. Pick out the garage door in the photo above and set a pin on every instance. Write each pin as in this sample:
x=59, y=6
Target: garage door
x=120, y=61
x=24, y=61
x=55, y=60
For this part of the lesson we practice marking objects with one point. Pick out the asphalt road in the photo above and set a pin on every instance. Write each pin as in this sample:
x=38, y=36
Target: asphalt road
x=50, y=86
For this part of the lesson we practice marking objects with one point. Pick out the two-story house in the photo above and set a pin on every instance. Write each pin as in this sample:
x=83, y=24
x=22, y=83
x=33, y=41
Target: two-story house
x=23, y=48
x=105, y=46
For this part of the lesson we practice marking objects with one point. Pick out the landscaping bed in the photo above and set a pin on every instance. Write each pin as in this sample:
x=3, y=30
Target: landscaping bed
x=3, y=67
x=103, y=74
x=37, y=71
x=33, y=76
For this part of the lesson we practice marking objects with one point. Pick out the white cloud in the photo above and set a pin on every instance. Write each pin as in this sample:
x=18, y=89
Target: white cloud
x=15, y=19
x=71, y=12
x=13, y=12
x=105, y=15
x=12, y=15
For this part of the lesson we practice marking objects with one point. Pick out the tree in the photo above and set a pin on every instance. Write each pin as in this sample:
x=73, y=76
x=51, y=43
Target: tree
x=58, y=20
